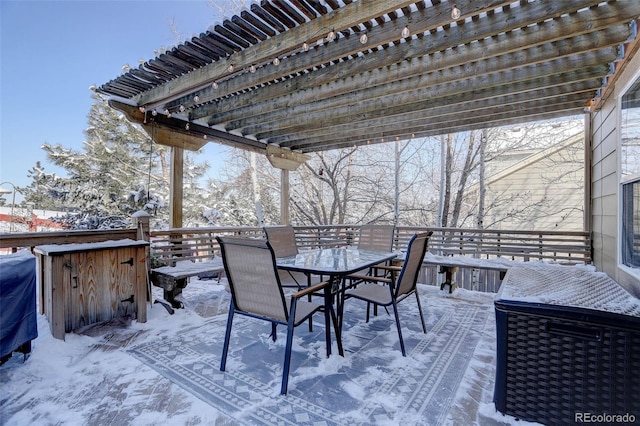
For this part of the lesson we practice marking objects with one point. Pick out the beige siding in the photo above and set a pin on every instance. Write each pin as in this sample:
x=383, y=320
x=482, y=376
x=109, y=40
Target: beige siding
x=604, y=184
x=544, y=191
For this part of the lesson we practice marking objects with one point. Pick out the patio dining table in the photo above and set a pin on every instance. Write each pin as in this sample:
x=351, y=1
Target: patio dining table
x=336, y=264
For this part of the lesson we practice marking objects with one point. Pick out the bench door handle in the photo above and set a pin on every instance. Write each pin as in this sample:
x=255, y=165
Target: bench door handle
x=573, y=330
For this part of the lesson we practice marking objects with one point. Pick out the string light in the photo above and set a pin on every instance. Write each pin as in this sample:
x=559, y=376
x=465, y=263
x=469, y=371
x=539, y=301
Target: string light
x=252, y=69
x=305, y=47
x=364, y=38
x=231, y=68
x=196, y=99
x=186, y=126
x=276, y=62
x=215, y=85
x=182, y=108
x=455, y=12
x=331, y=36
x=405, y=32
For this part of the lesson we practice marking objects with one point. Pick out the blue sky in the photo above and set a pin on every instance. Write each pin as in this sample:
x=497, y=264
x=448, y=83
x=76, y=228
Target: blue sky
x=51, y=52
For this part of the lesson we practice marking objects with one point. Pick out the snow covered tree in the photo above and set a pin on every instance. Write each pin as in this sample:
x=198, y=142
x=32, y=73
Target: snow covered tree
x=118, y=171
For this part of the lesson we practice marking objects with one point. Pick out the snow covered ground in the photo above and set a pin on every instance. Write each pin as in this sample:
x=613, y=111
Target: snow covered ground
x=92, y=378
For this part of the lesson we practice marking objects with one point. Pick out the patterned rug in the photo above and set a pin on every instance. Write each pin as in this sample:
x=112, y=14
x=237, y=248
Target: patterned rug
x=372, y=384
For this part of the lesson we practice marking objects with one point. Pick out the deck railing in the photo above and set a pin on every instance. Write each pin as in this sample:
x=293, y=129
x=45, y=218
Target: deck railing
x=199, y=244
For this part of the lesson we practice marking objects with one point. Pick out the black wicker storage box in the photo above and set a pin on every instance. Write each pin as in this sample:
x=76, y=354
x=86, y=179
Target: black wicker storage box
x=568, y=347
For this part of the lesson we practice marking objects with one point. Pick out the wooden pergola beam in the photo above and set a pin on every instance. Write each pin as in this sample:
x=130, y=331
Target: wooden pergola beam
x=281, y=44
x=173, y=132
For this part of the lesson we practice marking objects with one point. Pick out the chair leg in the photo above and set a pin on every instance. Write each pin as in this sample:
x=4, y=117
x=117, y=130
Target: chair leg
x=287, y=353
x=424, y=328
x=273, y=331
x=328, y=312
x=395, y=312
x=227, y=337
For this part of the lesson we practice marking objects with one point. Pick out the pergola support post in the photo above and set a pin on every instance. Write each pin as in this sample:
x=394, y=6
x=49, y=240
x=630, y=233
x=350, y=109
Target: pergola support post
x=176, y=187
x=284, y=160
x=284, y=197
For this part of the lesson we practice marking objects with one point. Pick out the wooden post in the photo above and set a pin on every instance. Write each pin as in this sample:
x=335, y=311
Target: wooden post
x=284, y=196
x=176, y=187
x=140, y=221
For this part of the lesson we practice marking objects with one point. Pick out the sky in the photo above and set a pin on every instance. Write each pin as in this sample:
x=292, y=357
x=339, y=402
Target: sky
x=52, y=51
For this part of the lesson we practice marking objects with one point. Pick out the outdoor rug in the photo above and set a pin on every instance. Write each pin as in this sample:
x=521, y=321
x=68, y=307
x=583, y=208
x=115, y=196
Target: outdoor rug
x=371, y=384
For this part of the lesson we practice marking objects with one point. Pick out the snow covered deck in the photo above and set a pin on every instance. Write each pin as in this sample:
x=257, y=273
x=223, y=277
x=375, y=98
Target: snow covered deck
x=105, y=374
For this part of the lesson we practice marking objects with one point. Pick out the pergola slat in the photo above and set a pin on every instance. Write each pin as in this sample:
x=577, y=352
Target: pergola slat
x=501, y=61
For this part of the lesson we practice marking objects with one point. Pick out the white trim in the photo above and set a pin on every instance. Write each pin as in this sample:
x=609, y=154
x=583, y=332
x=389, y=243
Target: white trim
x=621, y=181
x=634, y=272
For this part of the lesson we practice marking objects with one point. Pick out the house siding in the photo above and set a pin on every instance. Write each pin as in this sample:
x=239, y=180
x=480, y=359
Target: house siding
x=545, y=191
x=605, y=201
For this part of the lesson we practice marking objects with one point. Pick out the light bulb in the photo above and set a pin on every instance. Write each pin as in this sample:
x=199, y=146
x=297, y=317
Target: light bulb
x=182, y=108
x=364, y=38
x=186, y=126
x=276, y=62
x=305, y=47
x=196, y=99
x=154, y=112
x=455, y=12
x=215, y=85
x=231, y=68
x=252, y=69
x=405, y=32
x=331, y=36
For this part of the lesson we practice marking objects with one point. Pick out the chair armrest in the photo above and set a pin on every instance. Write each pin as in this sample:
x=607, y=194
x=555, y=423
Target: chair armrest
x=391, y=268
x=308, y=290
x=370, y=278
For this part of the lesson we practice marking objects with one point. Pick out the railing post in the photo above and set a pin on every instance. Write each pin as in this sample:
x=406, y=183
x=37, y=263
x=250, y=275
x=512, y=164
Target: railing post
x=140, y=221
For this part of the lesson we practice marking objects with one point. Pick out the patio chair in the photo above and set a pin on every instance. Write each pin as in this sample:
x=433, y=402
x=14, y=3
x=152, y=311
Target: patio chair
x=283, y=242
x=395, y=290
x=373, y=237
x=376, y=237
x=256, y=292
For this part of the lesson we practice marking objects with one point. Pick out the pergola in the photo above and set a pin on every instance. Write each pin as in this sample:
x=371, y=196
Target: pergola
x=289, y=77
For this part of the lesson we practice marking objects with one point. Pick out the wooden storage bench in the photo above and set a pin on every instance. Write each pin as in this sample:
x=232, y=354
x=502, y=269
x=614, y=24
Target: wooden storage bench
x=82, y=284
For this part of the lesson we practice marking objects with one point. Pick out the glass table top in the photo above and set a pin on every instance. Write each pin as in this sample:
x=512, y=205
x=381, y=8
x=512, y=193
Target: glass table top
x=334, y=260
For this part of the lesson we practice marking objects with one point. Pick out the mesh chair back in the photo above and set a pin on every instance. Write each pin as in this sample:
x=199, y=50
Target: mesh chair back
x=376, y=237
x=412, y=263
x=253, y=278
x=282, y=240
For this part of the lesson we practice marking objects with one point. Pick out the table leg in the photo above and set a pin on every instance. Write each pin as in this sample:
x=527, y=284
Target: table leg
x=338, y=287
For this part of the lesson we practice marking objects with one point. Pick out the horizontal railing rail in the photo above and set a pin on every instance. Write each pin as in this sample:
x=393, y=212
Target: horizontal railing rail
x=29, y=240
x=194, y=244
x=199, y=243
